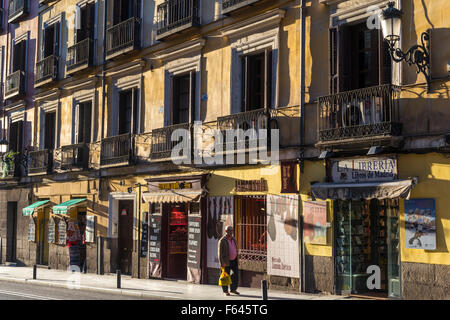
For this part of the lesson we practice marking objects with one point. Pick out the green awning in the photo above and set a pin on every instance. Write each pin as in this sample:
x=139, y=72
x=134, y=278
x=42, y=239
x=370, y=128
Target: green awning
x=64, y=207
x=28, y=211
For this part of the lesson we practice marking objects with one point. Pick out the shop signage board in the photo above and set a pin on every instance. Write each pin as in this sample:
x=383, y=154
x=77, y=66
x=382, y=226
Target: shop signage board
x=32, y=230
x=51, y=231
x=282, y=239
x=90, y=225
x=144, y=239
x=250, y=185
x=175, y=185
x=420, y=224
x=356, y=170
x=219, y=215
x=315, y=220
x=155, y=246
x=62, y=232
x=194, y=242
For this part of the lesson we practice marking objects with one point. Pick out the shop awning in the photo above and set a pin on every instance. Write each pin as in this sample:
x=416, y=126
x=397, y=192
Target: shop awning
x=64, y=207
x=369, y=190
x=28, y=211
x=173, y=196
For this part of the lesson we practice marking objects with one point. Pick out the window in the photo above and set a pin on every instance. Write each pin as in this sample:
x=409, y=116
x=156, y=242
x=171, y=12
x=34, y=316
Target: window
x=83, y=115
x=250, y=224
x=19, y=56
x=16, y=136
x=50, y=43
x=128, y=111
x=183, y=97
x=359, y=58
x=124, y=10
x=256, y=81
x=50, y=130
x=87, y=23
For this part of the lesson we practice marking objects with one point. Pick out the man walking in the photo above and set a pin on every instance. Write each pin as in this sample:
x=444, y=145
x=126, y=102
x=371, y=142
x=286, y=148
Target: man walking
x=227, y=252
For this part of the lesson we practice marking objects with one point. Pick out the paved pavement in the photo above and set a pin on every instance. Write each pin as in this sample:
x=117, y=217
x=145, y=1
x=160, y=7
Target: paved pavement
x=143, y=288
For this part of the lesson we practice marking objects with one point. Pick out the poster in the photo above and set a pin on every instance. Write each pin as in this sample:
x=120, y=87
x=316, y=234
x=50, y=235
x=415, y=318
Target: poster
x=315, y=219
x=51, y=231
x=194, y=249
x=219, y=215
x=154, y=258
x=373, y=169
x=420, y=224
x=282, y=242
x=32, y=230
x=89, y=233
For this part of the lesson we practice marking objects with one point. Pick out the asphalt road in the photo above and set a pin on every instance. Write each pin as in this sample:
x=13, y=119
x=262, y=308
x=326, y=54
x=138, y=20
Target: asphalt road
x=24, y=291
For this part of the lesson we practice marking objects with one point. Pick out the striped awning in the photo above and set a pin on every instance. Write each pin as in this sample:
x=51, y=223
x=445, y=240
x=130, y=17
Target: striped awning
x=28, y=211
x=63, y=208
x=173, y=196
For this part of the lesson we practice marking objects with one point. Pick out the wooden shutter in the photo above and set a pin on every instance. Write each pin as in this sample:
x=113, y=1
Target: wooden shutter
x=87, y=122
x=56, y=39
x=77, y=124
x=268, y=79
x=116, y=11
x=192, y=111
x=333, y=61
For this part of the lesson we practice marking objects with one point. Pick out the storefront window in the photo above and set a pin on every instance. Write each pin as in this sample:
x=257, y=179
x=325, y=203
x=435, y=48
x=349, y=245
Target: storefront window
x=251, y=227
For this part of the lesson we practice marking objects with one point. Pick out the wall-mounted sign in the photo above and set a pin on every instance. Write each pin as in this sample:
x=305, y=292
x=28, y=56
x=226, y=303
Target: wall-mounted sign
x=124, y=212
x=420, y=224
x=51, y=231
x=251, y=185
x=374, y=169
x=144, y=239
x=90, y=228
x=62, y=233
x=315, y=218
x=174, y=185
x=31, y=230
x=154, y=250
x=288, y=177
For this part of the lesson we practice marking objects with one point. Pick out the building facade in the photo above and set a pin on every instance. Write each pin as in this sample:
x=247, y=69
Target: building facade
x=151, y=125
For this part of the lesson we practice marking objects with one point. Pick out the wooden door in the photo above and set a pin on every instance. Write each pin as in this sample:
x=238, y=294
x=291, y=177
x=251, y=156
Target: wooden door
x=11, y=232
x=125, y=235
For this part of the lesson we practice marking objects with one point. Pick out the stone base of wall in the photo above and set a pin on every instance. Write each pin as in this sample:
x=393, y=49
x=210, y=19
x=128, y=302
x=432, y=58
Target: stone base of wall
x=319, y=274
x=425, y=281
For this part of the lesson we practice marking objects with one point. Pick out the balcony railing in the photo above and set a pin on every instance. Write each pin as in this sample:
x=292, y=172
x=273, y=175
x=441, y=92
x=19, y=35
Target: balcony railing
x=46, y=69
x=80, y=55
x=231, y=5
x=122, y=38
x=359, y=114
x=116, y=150
x=40, y=162
x=73, y=157
x=17, y=9
x=15, y=84
x=250, y=123
x=177, y=15
x=162, y=144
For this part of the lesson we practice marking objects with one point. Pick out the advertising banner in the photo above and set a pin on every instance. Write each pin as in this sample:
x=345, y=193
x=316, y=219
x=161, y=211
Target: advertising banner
x=420, y=224
x=315, y=216
x=282, y=242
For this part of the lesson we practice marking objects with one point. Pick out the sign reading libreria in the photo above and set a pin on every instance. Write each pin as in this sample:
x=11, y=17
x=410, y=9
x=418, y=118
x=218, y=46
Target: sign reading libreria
x=364, y=169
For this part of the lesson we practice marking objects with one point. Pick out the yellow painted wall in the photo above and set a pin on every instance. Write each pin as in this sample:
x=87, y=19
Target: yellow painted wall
x=433, y=171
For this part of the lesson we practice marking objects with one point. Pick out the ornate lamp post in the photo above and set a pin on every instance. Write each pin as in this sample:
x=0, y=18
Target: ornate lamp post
x=419, y=55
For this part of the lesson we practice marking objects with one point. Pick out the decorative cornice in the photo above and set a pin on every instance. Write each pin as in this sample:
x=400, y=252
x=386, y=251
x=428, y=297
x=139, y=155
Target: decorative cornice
x=48, y=95
x=131, y=67
x=90, y=83
x=180, y=50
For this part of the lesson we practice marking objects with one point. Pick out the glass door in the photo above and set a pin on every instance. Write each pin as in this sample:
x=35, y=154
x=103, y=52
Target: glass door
x=393, y=246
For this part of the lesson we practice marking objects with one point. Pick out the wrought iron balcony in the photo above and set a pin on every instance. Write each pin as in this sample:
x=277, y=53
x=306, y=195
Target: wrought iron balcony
x=231, y=5
x=80, y=56
x=250, y=122
x=177, y=15
x=17, y=10
x=40, y=162
x=122, y=38
x=117, y=151
x=358, y=115
x=165, y=139
x=15, y=85
x=46, y=70
x=73, y=157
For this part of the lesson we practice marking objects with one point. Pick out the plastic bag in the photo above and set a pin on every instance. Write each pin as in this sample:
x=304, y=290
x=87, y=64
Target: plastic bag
x=225, y=279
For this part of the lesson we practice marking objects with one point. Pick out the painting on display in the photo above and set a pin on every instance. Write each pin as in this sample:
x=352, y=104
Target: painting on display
x=282, y=240
x=315, y=218
x=420, y=224
x=220, y=214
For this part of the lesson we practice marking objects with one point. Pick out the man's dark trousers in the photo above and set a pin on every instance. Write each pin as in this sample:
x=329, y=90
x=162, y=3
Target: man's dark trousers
x=234, y=277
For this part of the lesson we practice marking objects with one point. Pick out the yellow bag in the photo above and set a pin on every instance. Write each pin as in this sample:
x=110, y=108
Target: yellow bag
x=225, y=279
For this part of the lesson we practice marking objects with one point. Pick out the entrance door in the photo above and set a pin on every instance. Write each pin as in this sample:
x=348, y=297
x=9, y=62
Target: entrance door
x=176, y=267
x=125, y=235
x=11, y=232
x=43, y=237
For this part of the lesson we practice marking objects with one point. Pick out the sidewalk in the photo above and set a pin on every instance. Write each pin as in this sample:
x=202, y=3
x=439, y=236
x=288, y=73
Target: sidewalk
x=145, y=288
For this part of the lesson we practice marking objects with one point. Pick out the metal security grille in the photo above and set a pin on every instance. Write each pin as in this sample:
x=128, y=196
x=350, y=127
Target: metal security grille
x=251, y=227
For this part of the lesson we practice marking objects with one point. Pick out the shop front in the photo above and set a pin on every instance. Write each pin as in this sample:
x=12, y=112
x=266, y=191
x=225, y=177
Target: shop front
x=366, y=196
x=177, y=227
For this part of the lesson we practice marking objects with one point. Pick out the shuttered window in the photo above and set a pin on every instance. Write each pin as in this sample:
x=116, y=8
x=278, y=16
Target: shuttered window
x=183, y=97
x=16, y=136
x=83, y=114
x=128, y=111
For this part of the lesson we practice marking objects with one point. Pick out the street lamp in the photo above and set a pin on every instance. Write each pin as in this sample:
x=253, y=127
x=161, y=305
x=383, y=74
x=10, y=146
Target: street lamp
x=418, y=55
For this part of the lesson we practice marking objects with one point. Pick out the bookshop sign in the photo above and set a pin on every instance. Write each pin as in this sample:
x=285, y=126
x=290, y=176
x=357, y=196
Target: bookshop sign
x=356, y=170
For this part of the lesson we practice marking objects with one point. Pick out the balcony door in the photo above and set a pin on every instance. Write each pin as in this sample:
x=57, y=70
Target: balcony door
x=183, y=95
x=19, y=56
x=50, y=131
x=16, y=136
x=128, y=111
x=124, y=10
x=83, y=114
x=50, y=43
x=87, y=23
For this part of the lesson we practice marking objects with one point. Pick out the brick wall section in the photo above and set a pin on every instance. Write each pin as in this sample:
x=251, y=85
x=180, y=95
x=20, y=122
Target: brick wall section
x=425, y=281
x=319, y=274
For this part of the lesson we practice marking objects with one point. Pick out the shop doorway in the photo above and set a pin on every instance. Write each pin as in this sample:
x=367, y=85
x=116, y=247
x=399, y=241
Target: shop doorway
x=177, y=240
x=43, y=217
x=125, y=245
x=11, y=231
x=367, y=235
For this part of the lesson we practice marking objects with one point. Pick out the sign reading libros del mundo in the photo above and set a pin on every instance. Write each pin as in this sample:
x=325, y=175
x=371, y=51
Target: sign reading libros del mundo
x=364, y=169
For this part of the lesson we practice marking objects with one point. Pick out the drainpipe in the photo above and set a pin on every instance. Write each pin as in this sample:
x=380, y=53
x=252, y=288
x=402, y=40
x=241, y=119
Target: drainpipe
x=302, y=132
